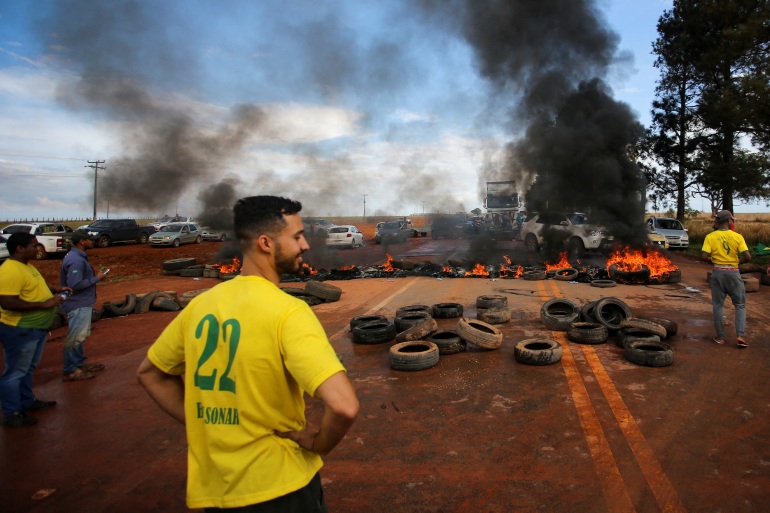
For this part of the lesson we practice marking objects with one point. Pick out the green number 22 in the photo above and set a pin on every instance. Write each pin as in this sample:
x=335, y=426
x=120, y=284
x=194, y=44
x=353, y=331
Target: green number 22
x=231, y=334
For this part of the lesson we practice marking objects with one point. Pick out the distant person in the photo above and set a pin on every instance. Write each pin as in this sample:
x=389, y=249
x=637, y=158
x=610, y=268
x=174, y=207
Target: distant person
x=248, y=352
x=726, y=250
x=27, y=308
x=78, y=274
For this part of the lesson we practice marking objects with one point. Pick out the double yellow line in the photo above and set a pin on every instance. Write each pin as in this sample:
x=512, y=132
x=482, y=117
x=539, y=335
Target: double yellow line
x=611, y=481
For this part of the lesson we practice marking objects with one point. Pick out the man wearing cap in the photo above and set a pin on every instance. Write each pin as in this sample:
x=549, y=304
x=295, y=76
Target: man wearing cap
x=726, y=249
x=77, y=274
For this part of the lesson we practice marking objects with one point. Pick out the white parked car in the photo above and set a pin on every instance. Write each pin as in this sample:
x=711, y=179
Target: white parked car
x=672, y=230
x=176, y=234
x=171, y=219
x=345, y=236
x=572, y=229
x=215, y=235
x=3, y=248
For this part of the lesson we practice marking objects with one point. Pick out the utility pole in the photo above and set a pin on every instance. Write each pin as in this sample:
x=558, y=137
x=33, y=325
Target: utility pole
x=364, y=195
x=96, y=167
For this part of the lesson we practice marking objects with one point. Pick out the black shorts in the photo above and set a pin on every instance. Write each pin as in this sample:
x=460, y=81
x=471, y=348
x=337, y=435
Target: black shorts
x=309, y=499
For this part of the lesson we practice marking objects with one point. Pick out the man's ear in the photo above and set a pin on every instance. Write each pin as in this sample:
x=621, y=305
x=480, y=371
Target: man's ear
x=265, y=243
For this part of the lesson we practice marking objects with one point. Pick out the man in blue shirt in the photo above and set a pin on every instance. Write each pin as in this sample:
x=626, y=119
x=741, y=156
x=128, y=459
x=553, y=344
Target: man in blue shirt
x=77, y=274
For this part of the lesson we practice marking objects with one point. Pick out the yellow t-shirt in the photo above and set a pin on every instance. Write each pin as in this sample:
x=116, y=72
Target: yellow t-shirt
x=725, y=247
x=248, y=352
x=26, y=282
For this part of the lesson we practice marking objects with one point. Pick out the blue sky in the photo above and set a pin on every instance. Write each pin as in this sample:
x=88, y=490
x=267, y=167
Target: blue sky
x=344, y=100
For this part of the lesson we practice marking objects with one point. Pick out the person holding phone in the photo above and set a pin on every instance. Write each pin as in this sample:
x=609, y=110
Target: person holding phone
x=78, y=274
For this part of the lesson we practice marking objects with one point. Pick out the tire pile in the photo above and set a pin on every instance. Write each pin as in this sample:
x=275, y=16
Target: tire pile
x=596, y=321
x=315, y=293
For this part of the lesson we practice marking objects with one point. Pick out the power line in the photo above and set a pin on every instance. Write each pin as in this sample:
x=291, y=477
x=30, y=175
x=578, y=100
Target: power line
x=39, y=156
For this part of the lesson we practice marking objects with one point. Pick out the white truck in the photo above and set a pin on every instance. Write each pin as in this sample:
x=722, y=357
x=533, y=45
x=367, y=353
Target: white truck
x=571, y=230
x=51, y=238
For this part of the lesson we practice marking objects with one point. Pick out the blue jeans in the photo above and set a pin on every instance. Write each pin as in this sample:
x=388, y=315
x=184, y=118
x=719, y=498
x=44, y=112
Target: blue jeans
x=78, y=330
x=723, y=284
x=22, y=350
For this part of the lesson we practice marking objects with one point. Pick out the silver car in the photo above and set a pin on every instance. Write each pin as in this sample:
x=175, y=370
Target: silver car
x=672, y=230
x=3, y=248
x=176, y=234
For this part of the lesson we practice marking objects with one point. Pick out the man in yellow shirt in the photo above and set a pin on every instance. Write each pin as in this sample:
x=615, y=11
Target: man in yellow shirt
x=248, y=352
x=726, y=249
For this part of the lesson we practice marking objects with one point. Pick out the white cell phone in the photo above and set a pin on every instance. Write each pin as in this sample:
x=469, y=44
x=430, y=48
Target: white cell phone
x=105, y=271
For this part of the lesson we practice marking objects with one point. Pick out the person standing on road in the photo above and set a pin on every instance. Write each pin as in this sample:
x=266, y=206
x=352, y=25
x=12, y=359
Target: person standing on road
x=248, y=352
x=78, y=274
x=27, y=307
x=726, y=250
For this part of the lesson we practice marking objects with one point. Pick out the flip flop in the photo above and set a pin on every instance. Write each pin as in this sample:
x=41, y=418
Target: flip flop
x=742, y=343
x=718, y=340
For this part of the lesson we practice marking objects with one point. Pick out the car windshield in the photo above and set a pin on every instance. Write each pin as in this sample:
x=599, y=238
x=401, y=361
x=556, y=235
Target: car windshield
x=669, y=224
x=100, y=224
x=171, y=228
x=392, y=225
x=19, y=228
x=578, y=218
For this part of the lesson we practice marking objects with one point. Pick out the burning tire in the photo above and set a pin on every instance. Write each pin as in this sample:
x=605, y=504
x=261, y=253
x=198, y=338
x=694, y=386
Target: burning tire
x=644, y=324
x=448, y=342
x=537, y=351
x=671, y=326
x=121, y=309
x=558, y=314
x=363, y=319
x=587, y=333
x=497, y=315
x=610, y=311
x=493, y=301
x=566, y=274
x=673, y=276
x=630, y=334
x=634, y=277
x=405, y=310
x=419, y=331
x=413, y=319
x=323, y=291
x=533, y=275
x=374, y=332
x=587, y=312
x=177, y=264
x=603, y=284
x=649, y=353
x=413, y=356
x=447, y=310
x=479, y=333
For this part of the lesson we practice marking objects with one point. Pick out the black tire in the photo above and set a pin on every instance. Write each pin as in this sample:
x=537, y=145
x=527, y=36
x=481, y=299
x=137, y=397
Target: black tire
x=673, y=276
x=587, y=312
x=177, y=264
x=479, y=333
x=671, y=326
x=576, y=248
x=143, y=238
x=325, y=291
x=764, y=279
x=362, y=319
x=405, y=322
x=198, y=239
x=120, y=309
x=223, y=237
x=588, y=333
x=176, y=243
x=40, y=252
x=374, y=332
x=406, y=310
x=413, y=355
x=603, y=284
x=628, y=334
x=559, y=313
x=448, y=342
x=191, y=271
x=144, y=303
x=103, y=241
x=492, y=301
x=497, y=315
x=649, y=353
x=566, y=274
x=59, y=320
x=644, y=324
x=632, y=277
x=537, y=351
x=166, y=304
x=419, y=331
x=530, y=241
x=610, y=311
x=533, y=275
x=447, y=310
x=186, y=297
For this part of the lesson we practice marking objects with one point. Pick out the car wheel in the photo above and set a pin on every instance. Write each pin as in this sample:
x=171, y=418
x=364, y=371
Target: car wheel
x=531, y=243
x=143, y=238
x=223, y=237
x=40, y=253
x=576, y=248
x=103, y=241
x=176, y=243
x=198, y=239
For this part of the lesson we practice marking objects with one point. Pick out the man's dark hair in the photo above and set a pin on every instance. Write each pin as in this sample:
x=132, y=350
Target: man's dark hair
x=19, y=240
x=261, y=215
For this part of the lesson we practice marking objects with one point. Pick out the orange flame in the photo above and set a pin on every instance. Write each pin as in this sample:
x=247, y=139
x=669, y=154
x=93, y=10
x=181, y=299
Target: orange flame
x=629, y=260
x=478, y=270
x=446, y=269
x=388, y=265
x=561, y=264
x=306, y=269
x=348, y=267
x=230, y=268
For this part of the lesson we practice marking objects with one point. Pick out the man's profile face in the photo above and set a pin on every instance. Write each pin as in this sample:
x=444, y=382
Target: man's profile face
x=290, y=243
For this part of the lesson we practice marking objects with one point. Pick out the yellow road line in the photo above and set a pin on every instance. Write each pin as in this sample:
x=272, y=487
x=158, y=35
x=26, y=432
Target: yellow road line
x=613, y=486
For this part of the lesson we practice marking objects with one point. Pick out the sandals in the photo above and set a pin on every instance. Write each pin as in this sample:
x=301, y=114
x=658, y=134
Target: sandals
x=719, y=341
x=78, y=375
x=742, y=343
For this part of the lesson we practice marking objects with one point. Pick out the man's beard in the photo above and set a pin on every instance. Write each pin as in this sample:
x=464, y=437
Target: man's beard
x=285, y=264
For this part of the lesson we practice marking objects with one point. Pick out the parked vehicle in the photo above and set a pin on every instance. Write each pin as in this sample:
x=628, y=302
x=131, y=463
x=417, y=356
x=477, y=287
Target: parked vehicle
x=447, y=227
x=502, y=206
x=573, y=230
x=672, y=230
x=107, y=231
x=344, y=236
x=406, y=224
x=215, y=235
x=171, y=219
x=176, y=234
x=3, y=248
x=657, y=240
x=390, y=232
x=51, y=237
x=318, y=227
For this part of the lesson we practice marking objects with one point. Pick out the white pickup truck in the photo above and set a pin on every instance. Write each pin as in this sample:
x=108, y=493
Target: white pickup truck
x=51, y=237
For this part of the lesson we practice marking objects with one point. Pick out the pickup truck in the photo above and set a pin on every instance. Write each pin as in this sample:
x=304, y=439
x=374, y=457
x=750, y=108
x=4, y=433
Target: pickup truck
x=106, y=231
x=52, y=238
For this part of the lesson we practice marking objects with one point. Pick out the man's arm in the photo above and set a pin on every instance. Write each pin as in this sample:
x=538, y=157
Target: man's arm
x=341, y=410
x=706, y=257
x=165, y=389
x=745, y=257
x=19, y=305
